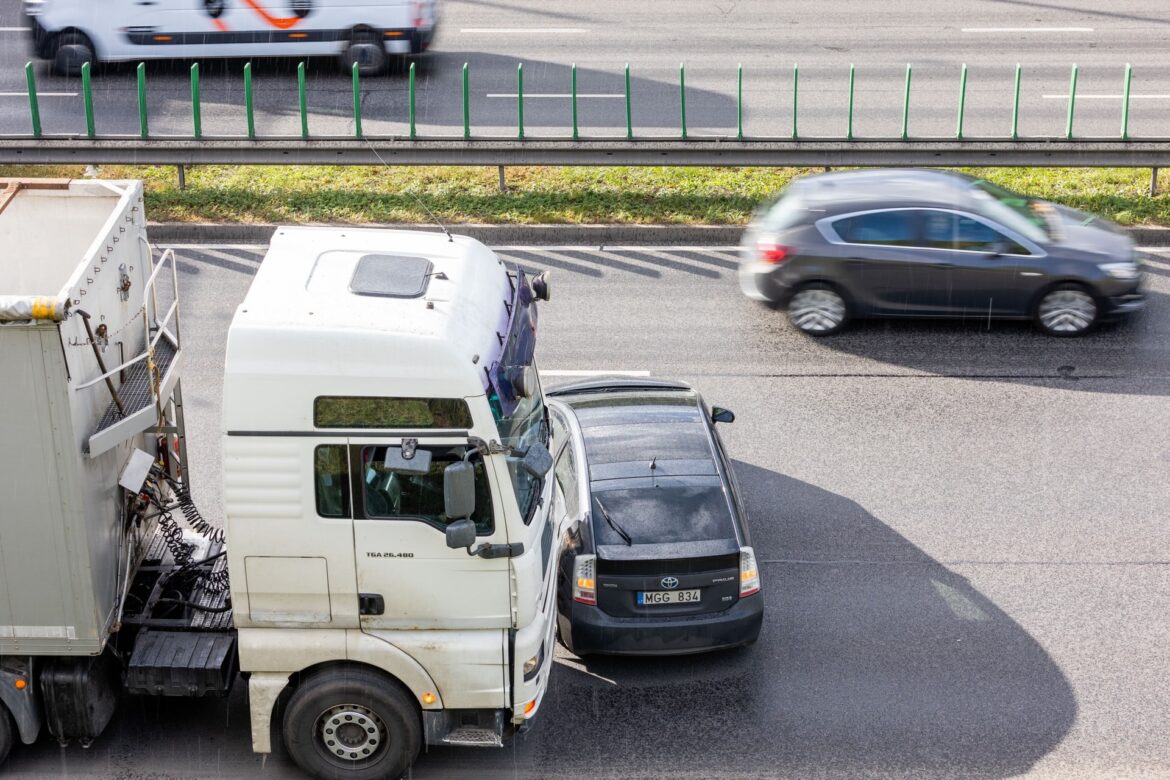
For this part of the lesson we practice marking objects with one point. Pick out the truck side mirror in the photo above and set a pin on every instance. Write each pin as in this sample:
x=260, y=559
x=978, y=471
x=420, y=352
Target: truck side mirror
x=537, y=460
x=459, y=494
x=461, y=533
x=721, y=415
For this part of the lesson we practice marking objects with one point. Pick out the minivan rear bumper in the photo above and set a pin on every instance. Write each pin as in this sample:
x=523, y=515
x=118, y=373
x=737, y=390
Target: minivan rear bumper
x=589, y=630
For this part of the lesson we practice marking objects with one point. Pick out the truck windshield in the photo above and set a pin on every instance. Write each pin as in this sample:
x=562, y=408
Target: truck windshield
x=516, y=398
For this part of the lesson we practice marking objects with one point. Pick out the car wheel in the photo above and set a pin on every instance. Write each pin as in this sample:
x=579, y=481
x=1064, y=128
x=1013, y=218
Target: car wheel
x=7, y=734
x=1066, y=310
x=352, y=723
x=72, y=50
x=818, y=310
x=367, y=50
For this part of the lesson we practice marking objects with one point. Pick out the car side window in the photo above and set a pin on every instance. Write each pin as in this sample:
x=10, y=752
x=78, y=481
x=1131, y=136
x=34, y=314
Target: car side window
x=947, y=230
x=392, y=495
x=566, y=474
x=889, y=228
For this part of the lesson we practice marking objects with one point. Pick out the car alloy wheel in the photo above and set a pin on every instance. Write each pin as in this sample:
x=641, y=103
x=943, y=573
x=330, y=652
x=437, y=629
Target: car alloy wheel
x=818, y=310
x=1067, y=311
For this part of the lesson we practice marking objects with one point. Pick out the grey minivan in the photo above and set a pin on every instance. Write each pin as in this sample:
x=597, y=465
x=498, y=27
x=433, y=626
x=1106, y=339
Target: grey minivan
x=932, y=243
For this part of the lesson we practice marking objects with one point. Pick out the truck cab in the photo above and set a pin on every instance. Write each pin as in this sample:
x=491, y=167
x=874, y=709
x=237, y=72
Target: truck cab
x=391, y=529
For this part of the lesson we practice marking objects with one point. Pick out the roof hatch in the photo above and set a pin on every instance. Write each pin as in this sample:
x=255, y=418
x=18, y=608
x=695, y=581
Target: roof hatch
x=391, y=276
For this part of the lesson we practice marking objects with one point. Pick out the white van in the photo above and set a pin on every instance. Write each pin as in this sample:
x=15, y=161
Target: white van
x=69, y=33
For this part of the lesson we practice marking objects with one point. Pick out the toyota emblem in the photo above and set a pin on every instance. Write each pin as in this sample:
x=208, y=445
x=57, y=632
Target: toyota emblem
x=669, y=582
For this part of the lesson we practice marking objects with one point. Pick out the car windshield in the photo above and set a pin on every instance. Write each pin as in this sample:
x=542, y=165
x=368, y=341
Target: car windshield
x=1012, y=210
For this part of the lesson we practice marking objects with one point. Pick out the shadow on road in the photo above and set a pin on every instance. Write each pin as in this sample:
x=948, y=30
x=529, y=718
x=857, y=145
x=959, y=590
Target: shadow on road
x=875, y=659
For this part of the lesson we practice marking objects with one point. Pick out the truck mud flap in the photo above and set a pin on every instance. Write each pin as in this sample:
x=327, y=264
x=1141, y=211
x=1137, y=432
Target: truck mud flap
x=80, y=695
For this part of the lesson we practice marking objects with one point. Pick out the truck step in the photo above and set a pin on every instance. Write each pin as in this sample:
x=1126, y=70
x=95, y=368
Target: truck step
x=475, y=736
x=137, y=399
x=182, y=663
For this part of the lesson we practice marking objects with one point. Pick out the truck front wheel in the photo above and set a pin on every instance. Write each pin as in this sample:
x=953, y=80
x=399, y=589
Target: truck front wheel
x=352, y=723
x=7, y=733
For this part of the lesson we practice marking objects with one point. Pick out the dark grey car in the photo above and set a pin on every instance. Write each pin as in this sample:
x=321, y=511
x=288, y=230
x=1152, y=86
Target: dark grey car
x=928, y=243
x=659, y=560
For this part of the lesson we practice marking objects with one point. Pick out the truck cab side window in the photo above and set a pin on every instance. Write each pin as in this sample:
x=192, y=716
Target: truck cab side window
x=389, y=494
x=331, y=480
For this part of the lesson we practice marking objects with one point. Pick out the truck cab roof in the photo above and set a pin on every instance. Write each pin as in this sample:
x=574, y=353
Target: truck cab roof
x=356, y=311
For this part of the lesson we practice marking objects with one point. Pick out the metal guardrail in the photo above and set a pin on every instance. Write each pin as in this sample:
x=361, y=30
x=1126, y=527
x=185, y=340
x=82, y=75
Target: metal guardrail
x=683, y=149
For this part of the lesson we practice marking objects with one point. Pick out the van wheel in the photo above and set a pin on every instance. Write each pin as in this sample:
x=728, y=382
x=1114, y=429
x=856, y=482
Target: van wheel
x=352, y=723
x=72, y=50
x=368, y=51
x=7, y=734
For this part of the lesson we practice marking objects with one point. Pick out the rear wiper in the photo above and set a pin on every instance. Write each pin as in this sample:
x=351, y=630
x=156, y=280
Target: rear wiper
x=617, y=528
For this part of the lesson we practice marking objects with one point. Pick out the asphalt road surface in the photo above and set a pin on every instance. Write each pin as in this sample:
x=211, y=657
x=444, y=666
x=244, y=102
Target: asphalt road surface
x=962, y=529
x=880, y=37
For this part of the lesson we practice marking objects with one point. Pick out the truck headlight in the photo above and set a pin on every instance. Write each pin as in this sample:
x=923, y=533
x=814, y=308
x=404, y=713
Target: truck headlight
x=532, y=665
x=1126, y=272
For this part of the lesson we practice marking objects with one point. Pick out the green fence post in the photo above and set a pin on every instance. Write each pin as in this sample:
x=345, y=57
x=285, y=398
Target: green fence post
x=739, y=102
x=520, y=100
x=1125, y=103
x=466, y=105
x=248, y=99
x=301, y=100
x=1072, y=102
x=1016, y=107
x=574, y=101
x=357, y=102
x=33, y=106
x=962, y=102
x=682, y=99
x=906, y=107
x=87, y=95
x=795, y=93
x=849, y=129
x=629, y=114
x=412, y=132
x=143, y=127
x=195, y=117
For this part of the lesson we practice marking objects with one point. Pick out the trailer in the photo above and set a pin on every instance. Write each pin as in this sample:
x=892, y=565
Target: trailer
x=390, y=530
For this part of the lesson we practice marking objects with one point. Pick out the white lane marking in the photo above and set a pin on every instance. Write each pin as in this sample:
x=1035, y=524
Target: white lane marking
x=580, y=668
x=574, y=372
x=565, y=95
x=39, y=94
x=1107, y=97
x=524, y=30
x=1027, y=29
x=15, y=29
x=962, y=607
x=623, y=248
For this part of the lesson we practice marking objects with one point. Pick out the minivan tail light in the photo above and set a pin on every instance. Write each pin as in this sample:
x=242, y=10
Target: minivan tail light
x=749, y=575
x=584, y=579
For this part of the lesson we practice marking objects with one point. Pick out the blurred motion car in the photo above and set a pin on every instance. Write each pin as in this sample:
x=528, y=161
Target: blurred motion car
x=931, y=243
x=69, y=33
x=658, y=560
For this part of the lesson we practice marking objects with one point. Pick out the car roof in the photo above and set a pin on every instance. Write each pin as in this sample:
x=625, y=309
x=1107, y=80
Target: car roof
x=843, y=191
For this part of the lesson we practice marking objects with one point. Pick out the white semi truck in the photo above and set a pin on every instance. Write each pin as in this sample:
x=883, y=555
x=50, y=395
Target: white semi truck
x=385, y=575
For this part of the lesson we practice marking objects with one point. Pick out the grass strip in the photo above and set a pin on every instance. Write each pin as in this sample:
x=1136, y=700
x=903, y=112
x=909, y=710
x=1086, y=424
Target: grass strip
x=545, y=195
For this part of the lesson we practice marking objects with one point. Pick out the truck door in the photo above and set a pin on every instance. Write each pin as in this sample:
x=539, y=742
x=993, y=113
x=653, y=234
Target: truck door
x=407, y=576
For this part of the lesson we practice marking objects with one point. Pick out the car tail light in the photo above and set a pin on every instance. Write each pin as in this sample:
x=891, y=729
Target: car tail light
x=419, y=19
x=749, y=575
x=772, y=251
x=584, y=584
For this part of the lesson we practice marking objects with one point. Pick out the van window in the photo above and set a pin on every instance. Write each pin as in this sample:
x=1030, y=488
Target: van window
x=334, y=411
x=331, y=480
x=389, y=494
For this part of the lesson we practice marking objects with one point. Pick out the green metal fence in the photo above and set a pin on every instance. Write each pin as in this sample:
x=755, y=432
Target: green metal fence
x=574, y=131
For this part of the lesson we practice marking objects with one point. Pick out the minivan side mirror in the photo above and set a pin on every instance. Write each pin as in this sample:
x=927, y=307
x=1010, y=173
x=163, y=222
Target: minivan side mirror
x=721, y=415
x=461, y=533
x=459, y=493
